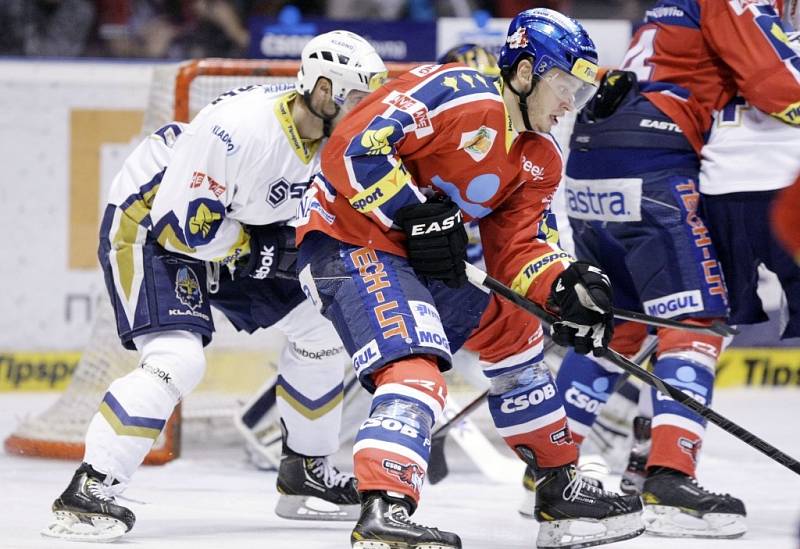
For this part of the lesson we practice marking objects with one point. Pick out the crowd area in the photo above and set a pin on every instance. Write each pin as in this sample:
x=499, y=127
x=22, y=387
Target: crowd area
x=179, y=29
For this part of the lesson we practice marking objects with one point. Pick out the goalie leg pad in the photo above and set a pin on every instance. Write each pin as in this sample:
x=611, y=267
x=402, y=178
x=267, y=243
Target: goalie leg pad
x=136, y=407
x=392, y=448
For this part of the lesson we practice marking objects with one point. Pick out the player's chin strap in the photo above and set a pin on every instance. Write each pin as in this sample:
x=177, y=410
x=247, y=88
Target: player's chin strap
x=327, y=121
x=522, y=98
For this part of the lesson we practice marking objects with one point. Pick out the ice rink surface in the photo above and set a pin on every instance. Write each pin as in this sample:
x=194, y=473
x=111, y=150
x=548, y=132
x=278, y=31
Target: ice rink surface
x=212, y=498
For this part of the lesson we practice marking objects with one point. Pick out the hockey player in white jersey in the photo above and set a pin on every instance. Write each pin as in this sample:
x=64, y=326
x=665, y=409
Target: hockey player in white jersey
x=200, y=215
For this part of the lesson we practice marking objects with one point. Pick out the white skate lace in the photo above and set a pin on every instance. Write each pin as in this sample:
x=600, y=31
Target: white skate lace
x=580, y=486
x=329, y=474
x=100, y=490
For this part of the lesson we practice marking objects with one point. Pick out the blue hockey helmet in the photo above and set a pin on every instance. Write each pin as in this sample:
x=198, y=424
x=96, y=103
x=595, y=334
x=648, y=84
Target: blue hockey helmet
x=551, y=40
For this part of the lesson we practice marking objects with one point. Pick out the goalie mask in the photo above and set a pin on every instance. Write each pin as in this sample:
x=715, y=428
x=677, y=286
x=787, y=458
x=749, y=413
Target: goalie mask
x=344, y=58
x=561, y=52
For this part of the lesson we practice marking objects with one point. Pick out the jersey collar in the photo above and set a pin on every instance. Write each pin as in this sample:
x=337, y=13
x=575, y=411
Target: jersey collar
x=305, y=150
x=511, y=133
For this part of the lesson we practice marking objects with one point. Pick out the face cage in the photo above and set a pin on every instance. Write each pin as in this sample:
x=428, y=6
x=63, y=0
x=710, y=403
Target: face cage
x=568, y=88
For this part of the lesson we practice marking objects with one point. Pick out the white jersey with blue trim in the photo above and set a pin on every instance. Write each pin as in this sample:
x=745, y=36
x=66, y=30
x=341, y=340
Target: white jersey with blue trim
x=241, y=161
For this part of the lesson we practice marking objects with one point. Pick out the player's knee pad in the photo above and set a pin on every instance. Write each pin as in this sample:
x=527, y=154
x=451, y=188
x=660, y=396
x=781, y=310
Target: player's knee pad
x=586, y=386
x=527, y=412
x=175, y=358
x=393, y=445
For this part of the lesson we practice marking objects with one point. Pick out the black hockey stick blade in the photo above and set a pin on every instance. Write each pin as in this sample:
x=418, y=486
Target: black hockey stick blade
x=437, y=463
x=480, y=278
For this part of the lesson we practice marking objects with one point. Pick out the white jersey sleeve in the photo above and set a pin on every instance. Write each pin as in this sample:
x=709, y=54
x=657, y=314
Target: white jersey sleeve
x=748, y=150
x=240, y=162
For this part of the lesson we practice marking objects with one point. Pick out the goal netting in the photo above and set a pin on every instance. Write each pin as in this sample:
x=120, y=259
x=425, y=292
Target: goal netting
x=237, y=363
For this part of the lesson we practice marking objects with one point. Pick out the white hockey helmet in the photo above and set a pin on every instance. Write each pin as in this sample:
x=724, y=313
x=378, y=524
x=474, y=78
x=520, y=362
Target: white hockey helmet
x=344, y=58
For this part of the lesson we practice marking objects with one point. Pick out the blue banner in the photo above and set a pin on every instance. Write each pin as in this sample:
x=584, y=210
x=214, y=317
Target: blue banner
x=394, y=40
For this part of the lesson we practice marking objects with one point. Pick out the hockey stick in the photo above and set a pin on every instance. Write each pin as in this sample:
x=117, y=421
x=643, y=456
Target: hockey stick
x=717, y=327
x=481, y=279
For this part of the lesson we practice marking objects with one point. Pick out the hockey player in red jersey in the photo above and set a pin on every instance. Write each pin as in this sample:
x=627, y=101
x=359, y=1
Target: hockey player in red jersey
x=632, y=190
x=382, y=255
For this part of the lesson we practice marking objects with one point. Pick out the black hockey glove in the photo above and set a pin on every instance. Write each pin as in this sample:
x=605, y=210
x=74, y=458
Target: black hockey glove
x=436, y=240
x=273, y=253
x=581, y=296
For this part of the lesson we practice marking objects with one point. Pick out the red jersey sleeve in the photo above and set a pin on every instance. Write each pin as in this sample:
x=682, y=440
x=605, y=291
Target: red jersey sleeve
x=751, y=40
x=519, y=238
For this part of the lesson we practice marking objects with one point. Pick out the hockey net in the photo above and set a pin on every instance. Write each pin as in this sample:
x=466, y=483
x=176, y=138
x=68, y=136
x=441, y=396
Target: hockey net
x=237, y=363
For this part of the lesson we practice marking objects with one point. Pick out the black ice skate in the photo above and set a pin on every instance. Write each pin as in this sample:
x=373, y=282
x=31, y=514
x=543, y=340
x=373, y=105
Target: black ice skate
x=677, y=506
x=384, y=524
x=632, y=480
x=574, y=512
x=313, y=489
x=87, y=510
x=528, y=506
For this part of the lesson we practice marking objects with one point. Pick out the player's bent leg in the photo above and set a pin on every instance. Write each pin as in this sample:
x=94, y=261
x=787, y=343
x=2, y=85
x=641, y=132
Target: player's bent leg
x=676, y=505
x=132, y=414
x=391, y=456
x=309, y=392
x=572, y=511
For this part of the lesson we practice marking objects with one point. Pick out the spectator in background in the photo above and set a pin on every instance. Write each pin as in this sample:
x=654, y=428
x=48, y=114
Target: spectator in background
x=173, y=29
x=45, y=27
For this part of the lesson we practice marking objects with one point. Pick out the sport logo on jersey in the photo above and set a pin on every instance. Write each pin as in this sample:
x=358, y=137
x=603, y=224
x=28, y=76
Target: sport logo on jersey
x=225, y=137
x=281, y=189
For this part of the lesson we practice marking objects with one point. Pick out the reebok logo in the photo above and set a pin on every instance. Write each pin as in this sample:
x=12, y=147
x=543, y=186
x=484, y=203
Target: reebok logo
x=158, y=372
x=267, y=258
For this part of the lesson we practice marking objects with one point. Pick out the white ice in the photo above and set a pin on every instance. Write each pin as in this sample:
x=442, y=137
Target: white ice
x=211, y=498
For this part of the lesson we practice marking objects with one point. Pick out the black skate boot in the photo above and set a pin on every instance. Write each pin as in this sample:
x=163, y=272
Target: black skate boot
x=573, y=512
x=528, y=506
x=384, y=524
x=312, y=488
x=87, y=510
x=632, y=480
x=677, y=506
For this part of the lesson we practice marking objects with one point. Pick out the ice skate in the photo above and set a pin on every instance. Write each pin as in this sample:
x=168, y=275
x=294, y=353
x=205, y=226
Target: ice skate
x=677, y=506
x=384, y=524
x=311, y=488
x=574, y=513
x=528, y=505
x=87, y=510
x=633, y=478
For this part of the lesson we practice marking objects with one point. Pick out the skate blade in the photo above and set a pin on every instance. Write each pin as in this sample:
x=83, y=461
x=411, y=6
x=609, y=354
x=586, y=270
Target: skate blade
x=665, y=521
x=314, y=508
x=584, y=532
x=99, y=528
x=385, y=544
